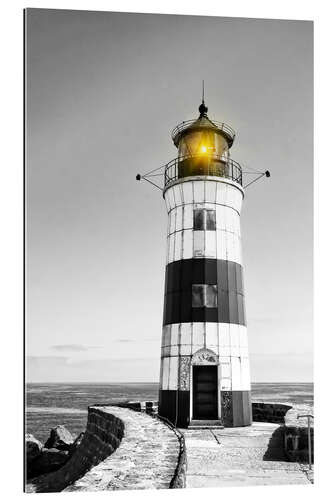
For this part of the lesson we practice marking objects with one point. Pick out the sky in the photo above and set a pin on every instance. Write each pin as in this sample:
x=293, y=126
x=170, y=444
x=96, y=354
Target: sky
x=104, y=91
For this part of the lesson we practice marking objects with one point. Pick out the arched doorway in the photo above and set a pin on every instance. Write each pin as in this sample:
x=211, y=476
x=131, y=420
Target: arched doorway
x=205, y=394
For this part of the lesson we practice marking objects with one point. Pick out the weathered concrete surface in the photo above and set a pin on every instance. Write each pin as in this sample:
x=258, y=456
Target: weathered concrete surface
x=146, y=458
x=242, y=456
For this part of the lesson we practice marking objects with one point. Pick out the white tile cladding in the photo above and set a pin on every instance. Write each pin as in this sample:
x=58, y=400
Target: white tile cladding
x=183, y=242
x=234, y=373
x=189, y=244
x=219, y=192
x=229, y=341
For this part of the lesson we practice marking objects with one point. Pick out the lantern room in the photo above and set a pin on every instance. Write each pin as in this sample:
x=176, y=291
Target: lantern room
x=203, y=148
x=202, y=137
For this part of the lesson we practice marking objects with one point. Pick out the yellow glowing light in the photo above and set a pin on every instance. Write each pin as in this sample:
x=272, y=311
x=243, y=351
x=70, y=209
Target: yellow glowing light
x=203, y=149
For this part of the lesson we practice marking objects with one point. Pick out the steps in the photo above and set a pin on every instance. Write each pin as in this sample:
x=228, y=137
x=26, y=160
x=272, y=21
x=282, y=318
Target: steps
x=205, y=424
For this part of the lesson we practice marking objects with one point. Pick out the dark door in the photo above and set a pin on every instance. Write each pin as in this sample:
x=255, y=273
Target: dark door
x=205, y=392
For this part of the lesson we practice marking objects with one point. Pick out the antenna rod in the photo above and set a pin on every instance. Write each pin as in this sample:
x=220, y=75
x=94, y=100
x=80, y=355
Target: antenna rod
x=203, y=91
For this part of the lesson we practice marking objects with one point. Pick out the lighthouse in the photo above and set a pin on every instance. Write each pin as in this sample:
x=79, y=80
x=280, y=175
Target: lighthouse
x=204, y=370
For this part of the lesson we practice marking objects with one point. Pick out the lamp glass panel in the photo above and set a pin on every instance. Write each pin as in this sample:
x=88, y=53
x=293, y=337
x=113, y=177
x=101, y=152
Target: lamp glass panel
x=203, y=142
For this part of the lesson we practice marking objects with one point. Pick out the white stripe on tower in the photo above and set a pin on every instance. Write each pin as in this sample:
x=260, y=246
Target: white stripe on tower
x=182, y=241
x=227, y=340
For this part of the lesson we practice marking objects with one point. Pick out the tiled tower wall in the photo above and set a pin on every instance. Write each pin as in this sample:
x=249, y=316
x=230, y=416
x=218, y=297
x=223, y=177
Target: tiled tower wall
x=204, y=257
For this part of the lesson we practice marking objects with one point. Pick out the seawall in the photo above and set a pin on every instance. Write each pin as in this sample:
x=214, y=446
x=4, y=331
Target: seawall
x=130, y=448
x=295, y=428
x=295, y=431
x=261, y=411
x=296, y=438
x=121, y=449
x=269, y=412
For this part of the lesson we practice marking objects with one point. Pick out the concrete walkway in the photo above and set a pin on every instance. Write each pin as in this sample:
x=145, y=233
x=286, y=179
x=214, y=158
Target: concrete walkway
x=242, y=456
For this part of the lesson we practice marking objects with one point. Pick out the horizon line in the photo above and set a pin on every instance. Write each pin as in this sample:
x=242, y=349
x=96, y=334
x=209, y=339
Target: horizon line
x=152, y=382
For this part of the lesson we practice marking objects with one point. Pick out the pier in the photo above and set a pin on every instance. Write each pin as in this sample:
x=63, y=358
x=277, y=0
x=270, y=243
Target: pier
x=242, y=456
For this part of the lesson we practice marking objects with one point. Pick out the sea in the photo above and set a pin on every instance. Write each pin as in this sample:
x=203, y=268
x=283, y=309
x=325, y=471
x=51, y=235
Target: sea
x=48, y=405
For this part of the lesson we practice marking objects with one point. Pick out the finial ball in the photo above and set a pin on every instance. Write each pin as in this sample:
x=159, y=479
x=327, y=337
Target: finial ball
x=203, y=109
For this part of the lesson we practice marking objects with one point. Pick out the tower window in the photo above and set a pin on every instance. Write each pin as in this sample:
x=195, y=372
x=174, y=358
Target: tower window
x=204, y=295
x=204, y=219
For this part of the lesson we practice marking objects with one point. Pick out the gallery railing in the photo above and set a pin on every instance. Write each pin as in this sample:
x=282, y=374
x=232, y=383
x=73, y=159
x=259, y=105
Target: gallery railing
x=203, y=165
x=223, y=127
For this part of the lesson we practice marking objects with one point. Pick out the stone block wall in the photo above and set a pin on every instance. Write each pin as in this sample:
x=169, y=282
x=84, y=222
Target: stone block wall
x=269, y=412
x=150, y=407
x=148, y=457
x=102, y=437
x=261, y=411
x=121, y=449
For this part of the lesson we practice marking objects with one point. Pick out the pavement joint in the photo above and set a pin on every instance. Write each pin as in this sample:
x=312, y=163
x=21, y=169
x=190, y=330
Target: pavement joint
x=213, y=433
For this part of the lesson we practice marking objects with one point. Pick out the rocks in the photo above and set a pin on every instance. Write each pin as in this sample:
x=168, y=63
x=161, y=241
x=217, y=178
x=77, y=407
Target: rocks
x=60, y=438
x=49, y=460
x=33, y=447
x=59, y=447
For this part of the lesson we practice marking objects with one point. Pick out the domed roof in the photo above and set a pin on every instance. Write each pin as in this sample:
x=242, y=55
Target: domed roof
x=203, y=122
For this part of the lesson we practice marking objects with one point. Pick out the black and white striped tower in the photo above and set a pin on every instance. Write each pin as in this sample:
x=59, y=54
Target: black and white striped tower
x=204, y=358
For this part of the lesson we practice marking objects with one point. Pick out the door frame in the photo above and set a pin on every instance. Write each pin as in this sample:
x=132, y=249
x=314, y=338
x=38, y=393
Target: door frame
x=206, y=357
x=214, y=373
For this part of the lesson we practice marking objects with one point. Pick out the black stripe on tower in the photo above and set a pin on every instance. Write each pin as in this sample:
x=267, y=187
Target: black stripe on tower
x=175, y=406
x=236, y=408
x=226, y=275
